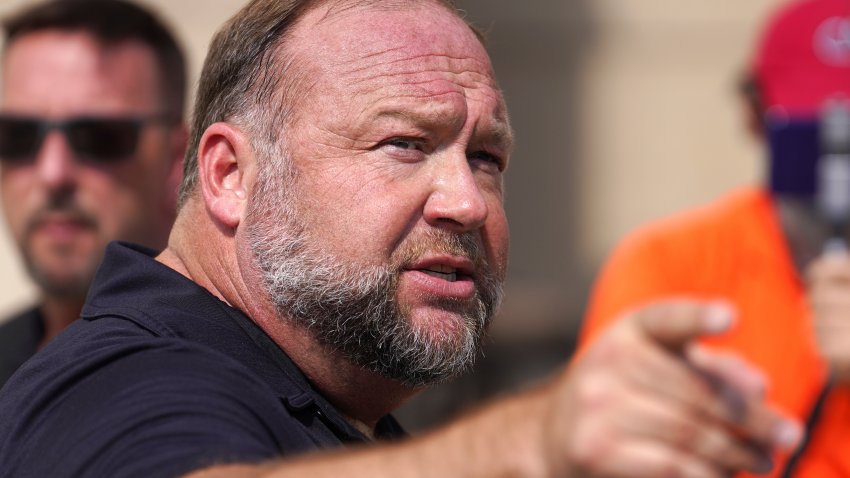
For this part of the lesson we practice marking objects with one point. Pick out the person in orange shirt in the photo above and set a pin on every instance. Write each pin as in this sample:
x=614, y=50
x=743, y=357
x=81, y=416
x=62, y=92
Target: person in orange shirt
x=761, y=247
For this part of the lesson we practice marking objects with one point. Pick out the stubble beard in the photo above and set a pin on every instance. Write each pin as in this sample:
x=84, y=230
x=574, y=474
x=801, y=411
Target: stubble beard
x=69, y=277
x=68, y=284
x=354, y=308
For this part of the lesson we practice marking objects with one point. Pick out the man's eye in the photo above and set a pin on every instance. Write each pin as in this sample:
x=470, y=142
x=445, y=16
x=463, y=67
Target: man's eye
x=486, y=157
x=405, y=143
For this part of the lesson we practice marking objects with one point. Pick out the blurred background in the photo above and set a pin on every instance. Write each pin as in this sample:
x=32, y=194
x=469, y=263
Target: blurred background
x=625, y=111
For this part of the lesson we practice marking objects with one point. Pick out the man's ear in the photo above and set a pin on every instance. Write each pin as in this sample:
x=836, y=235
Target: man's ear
x=226, y=171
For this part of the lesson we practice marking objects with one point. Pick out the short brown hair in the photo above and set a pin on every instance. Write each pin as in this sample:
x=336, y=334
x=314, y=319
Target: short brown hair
x=111, y=22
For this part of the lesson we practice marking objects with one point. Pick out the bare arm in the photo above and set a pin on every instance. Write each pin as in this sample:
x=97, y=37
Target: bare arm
x=642, y=402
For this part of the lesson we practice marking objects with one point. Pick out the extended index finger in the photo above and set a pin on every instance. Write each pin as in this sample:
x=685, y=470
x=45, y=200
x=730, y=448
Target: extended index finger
x=673, y=324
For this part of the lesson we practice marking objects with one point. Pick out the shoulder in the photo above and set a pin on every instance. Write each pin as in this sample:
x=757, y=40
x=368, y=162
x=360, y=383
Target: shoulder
x=26, y=323
x=19, y=339
x=727, y=216
x=26, y=316
x=697, y=245
x=691, y=253
x=131, y=404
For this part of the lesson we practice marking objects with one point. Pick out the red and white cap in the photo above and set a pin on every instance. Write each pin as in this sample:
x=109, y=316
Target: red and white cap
x=803, y=56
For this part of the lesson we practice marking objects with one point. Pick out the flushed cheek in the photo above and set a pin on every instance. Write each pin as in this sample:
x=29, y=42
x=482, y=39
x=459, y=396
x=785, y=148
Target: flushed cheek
x=114, y=197
x=20, y=197
x=377, y=228
x=370, y=214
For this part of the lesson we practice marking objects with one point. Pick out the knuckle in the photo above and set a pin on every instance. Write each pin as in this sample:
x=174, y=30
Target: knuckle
x=713, y=445
x=727, y=452
x=681, y=465
x=670, y=466
x=593, y=393
x=612, y=349
x=590, y=448
x=605, y=350
x=761, y=427
x=685, y=435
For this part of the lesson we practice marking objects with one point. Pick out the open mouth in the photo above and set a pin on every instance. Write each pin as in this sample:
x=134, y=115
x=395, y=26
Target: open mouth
x=442, y=272
x=443, y=276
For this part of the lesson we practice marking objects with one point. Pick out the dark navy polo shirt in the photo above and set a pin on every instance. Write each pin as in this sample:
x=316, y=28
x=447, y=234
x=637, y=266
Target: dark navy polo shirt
x=160, y=378
x=19, y=340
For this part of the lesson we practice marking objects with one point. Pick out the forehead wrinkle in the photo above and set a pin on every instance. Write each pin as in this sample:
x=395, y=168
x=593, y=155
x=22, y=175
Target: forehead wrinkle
x=451, y=82
x=395, y=51
x=466, y=71
x=418, y=85
x=419, y=91
x=337, y=139
x=431, y=117
x=449, y=108
x=398, y=41
x=419, y=66
x=335, y=11
x=449, y=61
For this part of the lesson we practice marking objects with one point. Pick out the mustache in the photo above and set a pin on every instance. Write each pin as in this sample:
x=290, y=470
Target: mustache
x=64, y=206
x=431, y=241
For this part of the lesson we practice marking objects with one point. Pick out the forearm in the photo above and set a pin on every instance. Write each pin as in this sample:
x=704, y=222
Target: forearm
x=641, y=403
x=500, y=440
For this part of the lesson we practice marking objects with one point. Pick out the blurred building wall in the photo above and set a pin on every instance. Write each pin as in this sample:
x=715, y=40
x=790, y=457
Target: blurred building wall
x=662, y=127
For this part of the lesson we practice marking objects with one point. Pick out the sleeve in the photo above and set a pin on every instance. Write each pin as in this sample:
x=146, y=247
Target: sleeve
x=157, y=413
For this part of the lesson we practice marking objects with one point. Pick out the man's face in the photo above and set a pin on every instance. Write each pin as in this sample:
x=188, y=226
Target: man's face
x=390, y=242
x=62, y=207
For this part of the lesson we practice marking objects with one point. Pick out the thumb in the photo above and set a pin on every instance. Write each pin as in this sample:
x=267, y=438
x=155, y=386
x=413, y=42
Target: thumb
x=673, y=324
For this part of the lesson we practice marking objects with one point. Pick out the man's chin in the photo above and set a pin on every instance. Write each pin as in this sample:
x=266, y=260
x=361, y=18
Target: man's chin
x=446, y=322
x=70, y=280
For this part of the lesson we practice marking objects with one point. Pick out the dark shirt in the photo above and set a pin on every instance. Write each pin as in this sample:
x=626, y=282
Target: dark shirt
x=160, y=378
x=19, y=339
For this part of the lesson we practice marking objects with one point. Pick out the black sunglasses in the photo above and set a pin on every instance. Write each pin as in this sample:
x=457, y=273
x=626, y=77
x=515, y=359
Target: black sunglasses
x=96, y=139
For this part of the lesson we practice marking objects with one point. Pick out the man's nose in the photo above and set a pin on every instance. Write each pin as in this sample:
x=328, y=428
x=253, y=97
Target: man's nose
x=55, y=162
x=456, y=201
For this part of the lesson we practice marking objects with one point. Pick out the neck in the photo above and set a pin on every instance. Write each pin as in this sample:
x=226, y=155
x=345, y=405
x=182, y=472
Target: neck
x=362, y=396
x=58, y=313
x=223, y=264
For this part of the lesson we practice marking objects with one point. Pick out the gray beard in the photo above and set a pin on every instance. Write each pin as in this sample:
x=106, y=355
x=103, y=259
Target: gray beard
x=354, y=309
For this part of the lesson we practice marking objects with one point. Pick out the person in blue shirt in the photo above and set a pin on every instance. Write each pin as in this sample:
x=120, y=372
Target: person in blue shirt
x=91, y=146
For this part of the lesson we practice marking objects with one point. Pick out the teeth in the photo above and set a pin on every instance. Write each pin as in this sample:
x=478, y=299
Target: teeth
x=449, y=276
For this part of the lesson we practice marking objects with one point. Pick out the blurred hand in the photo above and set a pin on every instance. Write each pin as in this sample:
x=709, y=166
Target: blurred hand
x=829, y=295
x=645, y=401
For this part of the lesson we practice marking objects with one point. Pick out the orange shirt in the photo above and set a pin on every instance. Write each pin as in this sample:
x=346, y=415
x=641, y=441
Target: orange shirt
x=734, y=249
